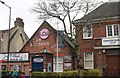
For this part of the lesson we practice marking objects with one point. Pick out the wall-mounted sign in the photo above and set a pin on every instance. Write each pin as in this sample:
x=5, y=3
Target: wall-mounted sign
x=44, y=33
x=67, y=59
x=111, y=41
x=14, y=57
x=67, y=66
x=3, y=57
x=38, y=60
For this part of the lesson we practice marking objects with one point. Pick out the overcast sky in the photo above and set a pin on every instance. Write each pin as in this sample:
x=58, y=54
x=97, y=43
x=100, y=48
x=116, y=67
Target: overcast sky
x=20, y=8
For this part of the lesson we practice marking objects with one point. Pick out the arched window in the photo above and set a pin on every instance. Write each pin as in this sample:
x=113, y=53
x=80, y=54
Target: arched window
x=44, y=50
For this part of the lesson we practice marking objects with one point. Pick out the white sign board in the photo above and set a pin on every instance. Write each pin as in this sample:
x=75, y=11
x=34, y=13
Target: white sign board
x=110, y=41
x=15, y=57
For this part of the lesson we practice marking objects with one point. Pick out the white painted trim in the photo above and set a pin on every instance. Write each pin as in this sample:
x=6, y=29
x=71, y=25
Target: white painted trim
x=55, y=63
x=107, y=47
x=112, y=30
x=89, y=59
x=91, y=33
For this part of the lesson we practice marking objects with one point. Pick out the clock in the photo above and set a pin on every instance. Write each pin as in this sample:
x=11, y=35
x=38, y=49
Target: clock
x=44, y=33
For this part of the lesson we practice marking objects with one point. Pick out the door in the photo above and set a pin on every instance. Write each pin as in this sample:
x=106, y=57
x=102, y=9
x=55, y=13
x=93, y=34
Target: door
x=49, y=67
x=112, y=64
x=37, y=67
x=37, y=64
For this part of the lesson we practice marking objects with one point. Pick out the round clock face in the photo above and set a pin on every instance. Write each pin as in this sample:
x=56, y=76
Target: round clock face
x=44, y=33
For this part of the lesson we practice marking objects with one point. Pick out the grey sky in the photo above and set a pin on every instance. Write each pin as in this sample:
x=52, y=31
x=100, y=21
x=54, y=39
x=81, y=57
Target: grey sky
x=20, y=8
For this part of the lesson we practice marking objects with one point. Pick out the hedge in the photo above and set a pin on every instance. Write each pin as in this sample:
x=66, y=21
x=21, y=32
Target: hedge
x=93, y=72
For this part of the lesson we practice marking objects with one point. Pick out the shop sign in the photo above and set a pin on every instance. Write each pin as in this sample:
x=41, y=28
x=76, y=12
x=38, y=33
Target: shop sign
x=111, y=41
x=38, y=60
x=14, y=57
x=3, y=57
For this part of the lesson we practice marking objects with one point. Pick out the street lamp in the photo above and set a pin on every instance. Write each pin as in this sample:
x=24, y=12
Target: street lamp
x=8, y=49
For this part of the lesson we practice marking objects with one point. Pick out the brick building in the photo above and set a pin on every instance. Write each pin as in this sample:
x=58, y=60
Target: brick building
x=47, y=50
x=99, y=38
x=43, y=50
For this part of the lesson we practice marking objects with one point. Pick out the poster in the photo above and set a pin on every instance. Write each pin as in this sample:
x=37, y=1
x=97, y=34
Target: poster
x=67, y=59
x=67, y=66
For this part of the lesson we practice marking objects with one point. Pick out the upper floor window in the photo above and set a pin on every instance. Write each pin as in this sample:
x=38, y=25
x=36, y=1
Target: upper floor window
x=87, y=31
x=112, y=30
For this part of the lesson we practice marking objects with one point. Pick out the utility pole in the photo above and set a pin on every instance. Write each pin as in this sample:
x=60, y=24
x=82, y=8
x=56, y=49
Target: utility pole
x=57, y=65
x=8, y=49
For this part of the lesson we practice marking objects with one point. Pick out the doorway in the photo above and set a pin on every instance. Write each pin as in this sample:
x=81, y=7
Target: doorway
x=37, y=63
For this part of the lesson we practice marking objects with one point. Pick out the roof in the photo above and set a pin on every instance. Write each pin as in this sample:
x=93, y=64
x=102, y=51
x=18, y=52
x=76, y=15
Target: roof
x=18, y=37
x=45, y=23
x=106, y=10
x=68, y=41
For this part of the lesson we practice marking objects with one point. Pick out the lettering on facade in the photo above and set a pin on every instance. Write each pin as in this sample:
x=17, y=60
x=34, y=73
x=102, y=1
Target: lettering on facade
x=111, y=41
x=39, y=44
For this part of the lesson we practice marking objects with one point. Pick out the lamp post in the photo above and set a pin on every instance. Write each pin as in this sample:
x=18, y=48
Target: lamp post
x=8, y=48
x=57, y=65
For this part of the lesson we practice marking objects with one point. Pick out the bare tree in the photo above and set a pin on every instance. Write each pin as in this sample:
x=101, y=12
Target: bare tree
x=65, y=11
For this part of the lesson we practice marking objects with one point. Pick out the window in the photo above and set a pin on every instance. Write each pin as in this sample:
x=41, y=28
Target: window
x=88, y=60
x=60, y=67
x=112, y=30
x=87, y=31
x=60, y=64
x=44, y=50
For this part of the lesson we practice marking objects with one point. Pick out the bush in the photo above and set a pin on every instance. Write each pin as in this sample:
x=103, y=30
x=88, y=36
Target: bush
x=54, y=74
x=94, y=72
x=66, y=74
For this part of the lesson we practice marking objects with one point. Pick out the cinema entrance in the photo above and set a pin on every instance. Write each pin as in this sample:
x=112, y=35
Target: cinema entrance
x=42, y=62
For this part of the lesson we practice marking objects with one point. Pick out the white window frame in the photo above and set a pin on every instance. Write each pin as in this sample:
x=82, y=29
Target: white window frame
x=85, y=31
x=60, y=64
x=91, y=59
x=113, y=34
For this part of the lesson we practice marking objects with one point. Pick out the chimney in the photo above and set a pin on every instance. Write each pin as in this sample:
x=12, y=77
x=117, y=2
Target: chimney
x=19, y=22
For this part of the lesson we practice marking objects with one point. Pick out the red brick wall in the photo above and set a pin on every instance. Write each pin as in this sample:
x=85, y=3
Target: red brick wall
x=50, y=41
x=36, y=44
x=87, y=45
